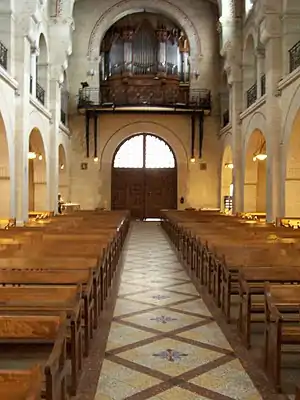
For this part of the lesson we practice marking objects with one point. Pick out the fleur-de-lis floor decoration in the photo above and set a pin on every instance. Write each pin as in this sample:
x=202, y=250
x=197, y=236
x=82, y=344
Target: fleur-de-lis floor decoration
x=170, y=355
x=163, y=319
x=160, y=297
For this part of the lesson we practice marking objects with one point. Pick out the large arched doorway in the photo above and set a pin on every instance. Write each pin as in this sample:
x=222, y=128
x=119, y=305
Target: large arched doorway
x=144, y=176
x=226, y=180
x=37, y=182
x=63, y=177
x=292, y=180
x=255, y=185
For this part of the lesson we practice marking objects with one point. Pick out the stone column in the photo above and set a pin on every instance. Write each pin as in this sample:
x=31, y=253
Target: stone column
x=53, y=167
x=237, y=145
x=271, y=38
x=232, y=51
x=21, y=129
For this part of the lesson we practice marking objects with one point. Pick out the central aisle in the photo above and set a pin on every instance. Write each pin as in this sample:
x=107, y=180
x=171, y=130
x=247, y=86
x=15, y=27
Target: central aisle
x=163, y=342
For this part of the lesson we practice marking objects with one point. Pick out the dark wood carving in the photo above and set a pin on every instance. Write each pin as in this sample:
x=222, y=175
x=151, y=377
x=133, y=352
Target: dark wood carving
x=143, y=90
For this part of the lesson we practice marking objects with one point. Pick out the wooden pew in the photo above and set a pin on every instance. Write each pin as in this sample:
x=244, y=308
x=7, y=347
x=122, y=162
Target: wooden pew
x=252, y=289
x=288, y=222
x=7, y=223
x=27, y=339
x=83, y=277
x=89, y=245
x=51, y=300
x=282, y=327
x=40, y=214
x=21, y=384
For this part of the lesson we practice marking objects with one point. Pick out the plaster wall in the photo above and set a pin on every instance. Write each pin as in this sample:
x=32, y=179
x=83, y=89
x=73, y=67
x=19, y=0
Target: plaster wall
x=92, y=187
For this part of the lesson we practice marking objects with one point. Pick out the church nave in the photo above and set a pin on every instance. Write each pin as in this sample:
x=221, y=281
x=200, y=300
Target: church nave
x=164, y=342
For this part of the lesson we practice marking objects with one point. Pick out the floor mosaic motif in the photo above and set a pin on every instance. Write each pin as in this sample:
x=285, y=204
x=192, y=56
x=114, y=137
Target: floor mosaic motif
x=164, y=343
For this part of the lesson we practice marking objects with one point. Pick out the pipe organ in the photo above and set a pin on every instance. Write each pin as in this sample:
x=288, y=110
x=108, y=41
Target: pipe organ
x=144, y=59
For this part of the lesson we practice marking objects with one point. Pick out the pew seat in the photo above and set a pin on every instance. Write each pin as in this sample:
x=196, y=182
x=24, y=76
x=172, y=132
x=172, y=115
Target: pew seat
x=83, y=277
x=21, y=384
x=50, y=300
x=28, y=340
x=282, y=327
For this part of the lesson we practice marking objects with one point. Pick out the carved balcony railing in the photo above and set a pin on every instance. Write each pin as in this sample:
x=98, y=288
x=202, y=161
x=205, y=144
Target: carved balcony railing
x=294, y=53
x=30, y=84
x=64, y=99
x=263, y=84
x=3, y=56
x=40, y=93
x=252, y=95
x=195, y=98
x=225, y=119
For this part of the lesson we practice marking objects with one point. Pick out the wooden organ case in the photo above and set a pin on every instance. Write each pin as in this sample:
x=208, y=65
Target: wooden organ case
x=144, y=60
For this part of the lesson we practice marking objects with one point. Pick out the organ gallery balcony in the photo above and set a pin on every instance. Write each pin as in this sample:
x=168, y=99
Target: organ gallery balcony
x=146, y=98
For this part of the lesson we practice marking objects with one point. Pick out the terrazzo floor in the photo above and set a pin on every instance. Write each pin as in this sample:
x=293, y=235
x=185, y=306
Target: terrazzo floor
x=164, y=343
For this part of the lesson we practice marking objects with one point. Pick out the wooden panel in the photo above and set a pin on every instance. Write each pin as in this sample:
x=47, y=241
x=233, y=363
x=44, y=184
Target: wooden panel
x=160, y=191
x=128, y=190
x=144, y=191
x=29, y=326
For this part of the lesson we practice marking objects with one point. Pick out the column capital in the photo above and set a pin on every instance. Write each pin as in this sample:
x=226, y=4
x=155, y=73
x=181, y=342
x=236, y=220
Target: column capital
x=34, y=50
x=260, y=51
x=270, y=27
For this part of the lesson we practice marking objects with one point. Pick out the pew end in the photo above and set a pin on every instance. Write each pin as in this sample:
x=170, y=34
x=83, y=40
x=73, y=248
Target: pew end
x=21, y=384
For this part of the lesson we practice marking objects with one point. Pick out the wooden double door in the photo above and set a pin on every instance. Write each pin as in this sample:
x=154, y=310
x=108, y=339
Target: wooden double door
x=144, y=191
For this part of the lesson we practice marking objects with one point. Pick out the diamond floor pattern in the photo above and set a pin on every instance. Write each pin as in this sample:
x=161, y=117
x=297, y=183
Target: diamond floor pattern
x=164, y=343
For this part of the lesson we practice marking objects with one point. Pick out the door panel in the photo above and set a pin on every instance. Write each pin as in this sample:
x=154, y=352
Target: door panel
x=128, y=191
x=144, y=191
x=160, y=191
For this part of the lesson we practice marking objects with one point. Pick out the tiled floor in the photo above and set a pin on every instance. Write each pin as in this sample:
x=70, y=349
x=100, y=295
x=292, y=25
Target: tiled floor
x=164, y=343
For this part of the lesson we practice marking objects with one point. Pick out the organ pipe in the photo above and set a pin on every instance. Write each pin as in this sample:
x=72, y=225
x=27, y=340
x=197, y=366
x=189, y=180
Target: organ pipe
x=201, y=123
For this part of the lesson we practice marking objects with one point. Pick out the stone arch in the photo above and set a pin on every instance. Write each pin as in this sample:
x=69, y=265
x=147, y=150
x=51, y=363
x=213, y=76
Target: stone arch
x=226, y=176
x=63, y=175
x=125, y=7
x=42, y=61
x=5, y=173
x=292, y=169
x=255, y=179
x=129, y=130
x=290, y=116
x=256, y=122
x=37, y=172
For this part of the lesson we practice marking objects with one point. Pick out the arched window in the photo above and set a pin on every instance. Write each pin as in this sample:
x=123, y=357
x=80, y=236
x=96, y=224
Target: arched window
x=130, y=154
x=144, y=151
